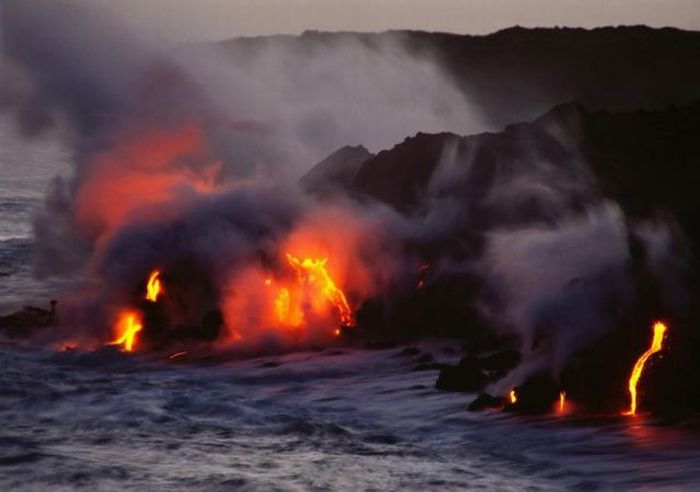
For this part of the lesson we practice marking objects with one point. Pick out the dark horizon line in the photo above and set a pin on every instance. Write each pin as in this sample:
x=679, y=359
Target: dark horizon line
x=516, y=27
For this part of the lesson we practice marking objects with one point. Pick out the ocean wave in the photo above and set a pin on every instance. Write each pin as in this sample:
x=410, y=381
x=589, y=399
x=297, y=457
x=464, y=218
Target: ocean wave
x=107, y=420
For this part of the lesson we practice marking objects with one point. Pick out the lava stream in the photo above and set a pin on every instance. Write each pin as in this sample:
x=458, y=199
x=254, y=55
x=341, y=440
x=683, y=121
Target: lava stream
x=128, y=326
x=153, y=287
x=656, y=345
x=314, y=272
x=562, y=401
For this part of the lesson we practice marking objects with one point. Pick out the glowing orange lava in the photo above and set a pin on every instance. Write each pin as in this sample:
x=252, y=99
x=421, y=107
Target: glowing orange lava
x=177, y=354
x=511, y=395
x=656, y=345
x=153, y=287
x=287, y=312
x=313, y=272
x=562, y=401
x=128, y=325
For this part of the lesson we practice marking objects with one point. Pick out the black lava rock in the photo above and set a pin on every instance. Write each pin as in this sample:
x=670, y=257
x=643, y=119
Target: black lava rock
x=484, y=401
x=466, y=376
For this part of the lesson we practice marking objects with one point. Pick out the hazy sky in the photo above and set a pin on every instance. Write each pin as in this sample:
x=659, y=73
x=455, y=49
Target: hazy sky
x=218, y=19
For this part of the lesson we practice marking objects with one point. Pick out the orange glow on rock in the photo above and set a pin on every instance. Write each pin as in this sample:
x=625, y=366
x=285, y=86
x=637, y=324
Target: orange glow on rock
x=656, y=345
x=153, y=287
x=128, y=325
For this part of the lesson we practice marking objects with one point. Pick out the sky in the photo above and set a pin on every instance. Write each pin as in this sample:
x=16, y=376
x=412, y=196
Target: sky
x=192, y=20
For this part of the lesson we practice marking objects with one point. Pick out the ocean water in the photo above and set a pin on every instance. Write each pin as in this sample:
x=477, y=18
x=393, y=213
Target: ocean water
x=341, y=418
x=337, y=419
x=26, y=171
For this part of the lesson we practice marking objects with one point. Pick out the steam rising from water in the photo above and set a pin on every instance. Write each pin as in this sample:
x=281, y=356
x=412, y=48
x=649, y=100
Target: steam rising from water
x=192, y=154
x=186, y=158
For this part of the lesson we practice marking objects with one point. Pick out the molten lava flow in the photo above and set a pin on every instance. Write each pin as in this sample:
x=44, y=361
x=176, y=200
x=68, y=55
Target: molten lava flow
x=513, y=398
x=128, y=326
x=562, y=401
x=314, y=272
x=656, y=345
x=153, y=288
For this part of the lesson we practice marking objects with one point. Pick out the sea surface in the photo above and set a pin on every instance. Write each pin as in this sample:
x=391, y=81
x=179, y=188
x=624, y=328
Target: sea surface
x=339, y=418
x=27, y=168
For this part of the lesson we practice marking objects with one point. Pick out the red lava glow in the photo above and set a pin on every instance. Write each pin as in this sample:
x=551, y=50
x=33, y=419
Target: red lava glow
x=312, y=290
x=308, y=292
x=128, y=325
x=177, y=354
x=143, y=168
x=659, y=330
x=288, y=312
x=512, y=396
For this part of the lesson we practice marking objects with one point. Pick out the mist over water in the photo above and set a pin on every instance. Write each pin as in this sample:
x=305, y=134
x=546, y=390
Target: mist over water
x=26, y=172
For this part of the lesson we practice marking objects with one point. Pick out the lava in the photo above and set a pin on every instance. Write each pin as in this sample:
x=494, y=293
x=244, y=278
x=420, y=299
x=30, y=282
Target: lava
x=562, y=401
x=153, y=287
x=656, y=345
x=313, y=272
x=513, y=398
x=287, y=312
x=128, y=326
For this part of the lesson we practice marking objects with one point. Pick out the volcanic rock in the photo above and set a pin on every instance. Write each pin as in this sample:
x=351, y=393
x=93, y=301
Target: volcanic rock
x=484, y=401
x=25, y=322
x=336, y=171
x=536, y=396
x=465, y=376
x=499, y=363
x=644, y=160
x=518, y=73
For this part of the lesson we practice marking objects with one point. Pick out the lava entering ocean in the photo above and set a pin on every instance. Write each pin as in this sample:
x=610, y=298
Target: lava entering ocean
x=562, y=401
x=505, y=241
x=128, y=325
x=313, y=272
x=656, y=345
x=130, y=321
x=311, y=291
